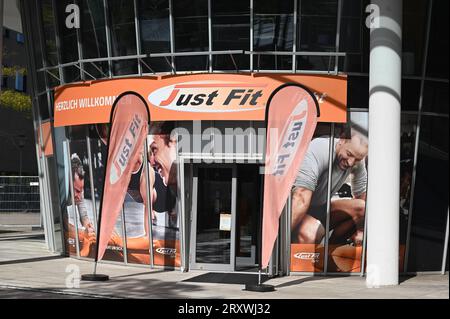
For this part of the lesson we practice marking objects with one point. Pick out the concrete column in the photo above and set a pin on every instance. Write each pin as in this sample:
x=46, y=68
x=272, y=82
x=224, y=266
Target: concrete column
x=384, y=144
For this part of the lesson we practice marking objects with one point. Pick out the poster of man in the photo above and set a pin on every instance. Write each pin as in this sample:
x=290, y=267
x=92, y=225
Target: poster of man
x=79, y=220
x=346, y=208
x=161, y=156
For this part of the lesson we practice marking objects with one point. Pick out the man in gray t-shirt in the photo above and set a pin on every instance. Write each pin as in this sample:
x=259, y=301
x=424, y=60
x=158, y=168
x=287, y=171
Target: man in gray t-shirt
x=309, y=195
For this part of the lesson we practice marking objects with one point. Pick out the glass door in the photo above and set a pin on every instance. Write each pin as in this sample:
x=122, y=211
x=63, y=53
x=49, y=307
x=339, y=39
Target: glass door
x=248, y=211
x=213, y=218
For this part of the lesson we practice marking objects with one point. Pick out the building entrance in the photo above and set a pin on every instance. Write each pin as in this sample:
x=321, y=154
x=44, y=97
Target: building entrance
x=225, y=217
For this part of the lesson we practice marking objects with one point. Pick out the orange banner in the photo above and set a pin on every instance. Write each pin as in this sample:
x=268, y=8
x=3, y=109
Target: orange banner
x=129, y=127
x=291, y=122
x=196, y=97
x=47, y=144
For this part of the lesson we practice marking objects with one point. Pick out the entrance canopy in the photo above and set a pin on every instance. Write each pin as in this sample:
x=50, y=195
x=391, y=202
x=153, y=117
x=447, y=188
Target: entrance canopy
x=196, y=97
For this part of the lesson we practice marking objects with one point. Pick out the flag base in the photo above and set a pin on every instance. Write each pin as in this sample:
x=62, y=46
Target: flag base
x=94, y=277
x=259, y=287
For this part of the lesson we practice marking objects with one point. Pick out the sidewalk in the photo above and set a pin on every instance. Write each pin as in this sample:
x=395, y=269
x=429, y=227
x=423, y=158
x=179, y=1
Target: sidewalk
x=43, y=275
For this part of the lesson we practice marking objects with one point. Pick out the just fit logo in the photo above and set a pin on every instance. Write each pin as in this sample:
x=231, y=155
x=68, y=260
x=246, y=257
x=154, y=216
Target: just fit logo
x=209, y=96
x=167, y=251
x=290, y=138
x=308, y=256
x=125, y=150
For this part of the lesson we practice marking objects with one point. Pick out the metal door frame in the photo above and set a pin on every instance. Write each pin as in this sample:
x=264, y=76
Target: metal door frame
x=193, y=240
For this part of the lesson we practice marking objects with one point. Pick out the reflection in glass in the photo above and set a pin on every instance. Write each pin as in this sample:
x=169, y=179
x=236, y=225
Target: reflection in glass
x=49, y=32
x=68, y=41
x=214, y=203
x=123, y=35
x=273, y=30
x=230, y=31
x=408, y=135
x=247, y=216
x=93, y=36
x=354, y=37
x=49, y=37
x=435, y=98
x=317, y=33
x=34, y=25
x=410, y=94
x=357, y=92
x=413, y=36
x=437, y=60
x=191, y=33
x=155, y=32
x=430, y=204
x=43, y=107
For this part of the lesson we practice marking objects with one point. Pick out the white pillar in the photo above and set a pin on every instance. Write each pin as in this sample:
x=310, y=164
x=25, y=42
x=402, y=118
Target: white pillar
x=384, y=145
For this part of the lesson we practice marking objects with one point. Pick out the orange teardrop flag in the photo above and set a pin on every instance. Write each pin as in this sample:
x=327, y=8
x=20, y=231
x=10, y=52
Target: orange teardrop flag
x=291, y=117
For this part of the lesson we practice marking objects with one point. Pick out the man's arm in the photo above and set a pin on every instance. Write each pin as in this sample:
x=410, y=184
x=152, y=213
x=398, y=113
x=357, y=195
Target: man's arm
x=359, y=181
x=301, y=199
x=84, y=218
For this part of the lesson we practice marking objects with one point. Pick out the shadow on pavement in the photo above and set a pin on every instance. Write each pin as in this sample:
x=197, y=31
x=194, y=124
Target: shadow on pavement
x=227, y=278
x=29, y=260
x=303, y=280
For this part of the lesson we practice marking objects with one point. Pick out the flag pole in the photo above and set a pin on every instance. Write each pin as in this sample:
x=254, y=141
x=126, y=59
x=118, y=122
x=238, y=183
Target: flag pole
x=94, y=276
x=259, y=287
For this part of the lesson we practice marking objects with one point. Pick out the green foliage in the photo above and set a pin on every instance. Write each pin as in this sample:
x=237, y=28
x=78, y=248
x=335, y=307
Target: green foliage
x=11, y=71
x=15, y=100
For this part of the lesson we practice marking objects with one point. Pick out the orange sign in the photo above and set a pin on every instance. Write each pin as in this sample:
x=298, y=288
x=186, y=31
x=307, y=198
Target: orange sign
x=47, y=144
x=196, y=97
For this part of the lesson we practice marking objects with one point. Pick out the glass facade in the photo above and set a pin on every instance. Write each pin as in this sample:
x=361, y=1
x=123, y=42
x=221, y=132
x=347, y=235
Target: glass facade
x=120, y=38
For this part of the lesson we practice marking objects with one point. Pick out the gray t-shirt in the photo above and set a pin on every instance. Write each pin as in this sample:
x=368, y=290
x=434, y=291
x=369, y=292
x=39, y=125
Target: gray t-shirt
x=313, y=173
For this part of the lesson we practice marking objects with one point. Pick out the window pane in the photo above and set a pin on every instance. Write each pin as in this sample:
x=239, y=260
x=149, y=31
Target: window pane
x=191, y=33
x=155, y=33
x=49, y=32
x=43, y=107
x=410, y=94
x=71, y=74
x=230, y=31
x=53, y=78
x=408, y=136
x=430, y=205
x=358, y=92
x=273, y=28
x=354, y=37
x=67, y=36
x=437, y=64
x=435, y=97
x=318, y=23
x=34, y=30
x=93, y=36
x=123, y=35
x=413, y=37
